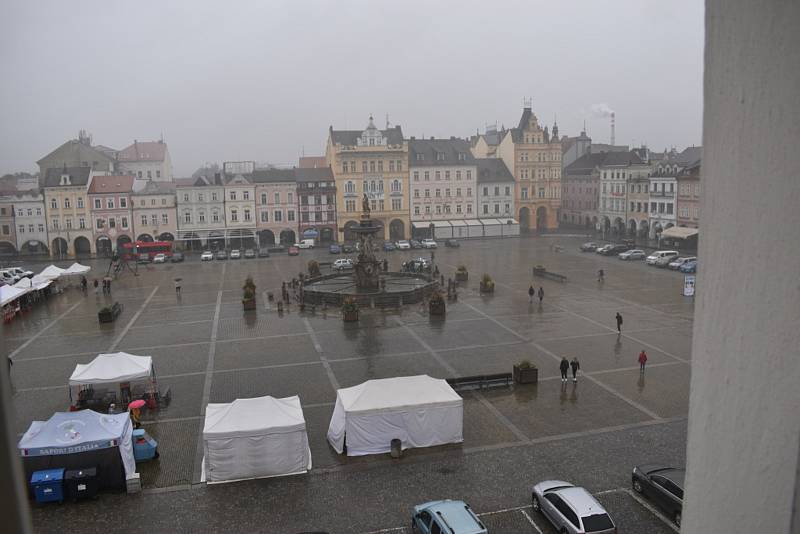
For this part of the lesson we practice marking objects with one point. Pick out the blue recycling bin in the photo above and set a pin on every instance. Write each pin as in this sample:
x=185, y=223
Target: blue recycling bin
x=48, y=485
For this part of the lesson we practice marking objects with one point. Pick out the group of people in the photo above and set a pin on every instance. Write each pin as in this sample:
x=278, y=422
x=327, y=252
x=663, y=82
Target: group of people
x=106, y=285
x=532, y=293
x=575, y=365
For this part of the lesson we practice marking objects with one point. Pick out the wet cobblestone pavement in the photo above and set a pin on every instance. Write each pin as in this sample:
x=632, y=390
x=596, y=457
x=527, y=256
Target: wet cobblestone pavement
x=590, y=433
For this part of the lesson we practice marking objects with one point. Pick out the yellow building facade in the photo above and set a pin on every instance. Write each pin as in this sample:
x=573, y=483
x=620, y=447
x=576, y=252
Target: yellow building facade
x=374, y=163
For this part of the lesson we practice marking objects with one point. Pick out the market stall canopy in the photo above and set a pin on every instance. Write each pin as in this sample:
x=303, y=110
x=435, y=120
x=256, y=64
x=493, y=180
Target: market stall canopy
x=111, y=368
x=35, y=283
x=9, y=294
x=76, y=269
x=419, y=410
x=251, y=438
x=86, y=431
x=678, y=232
x=51, y=273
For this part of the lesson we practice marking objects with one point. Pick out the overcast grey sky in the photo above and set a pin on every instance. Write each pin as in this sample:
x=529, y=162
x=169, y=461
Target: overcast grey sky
x=260, y=80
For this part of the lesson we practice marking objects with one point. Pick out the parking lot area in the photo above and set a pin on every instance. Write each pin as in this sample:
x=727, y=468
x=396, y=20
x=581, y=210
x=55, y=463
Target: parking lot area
x=205, y=349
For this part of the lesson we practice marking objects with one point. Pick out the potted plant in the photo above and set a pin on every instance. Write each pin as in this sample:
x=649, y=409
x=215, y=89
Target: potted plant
x=487, y=284
x=313, y=268
x=437, y=305
x=525, y=373
x=109, y=314
x=249, y=294
x=350, y=310
x=461, y=273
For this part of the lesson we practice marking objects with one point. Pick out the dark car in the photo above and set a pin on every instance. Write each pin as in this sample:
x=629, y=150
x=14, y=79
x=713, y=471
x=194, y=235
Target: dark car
x=144, y=257
x=388, y=246
x=613, y=250
x=452, y=243
x=222, y=255
x=334, y=249
x=348, y=248
x=277, y=248
x=662, y=485
x=415, y=244
x=589, y=247
x=249, y=253
x=263, y=253
x=177, y=257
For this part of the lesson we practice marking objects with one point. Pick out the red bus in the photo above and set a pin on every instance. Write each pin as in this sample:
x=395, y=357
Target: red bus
x=131, y=251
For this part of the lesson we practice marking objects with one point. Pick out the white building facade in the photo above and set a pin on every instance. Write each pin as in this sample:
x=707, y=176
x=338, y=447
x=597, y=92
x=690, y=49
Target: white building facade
x=495, y=187
x=30, y=220
x=240, y=211
x=201, y=213
x=147, y=160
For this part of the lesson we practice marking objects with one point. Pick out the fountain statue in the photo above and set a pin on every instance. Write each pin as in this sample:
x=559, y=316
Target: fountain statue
x=366, y=267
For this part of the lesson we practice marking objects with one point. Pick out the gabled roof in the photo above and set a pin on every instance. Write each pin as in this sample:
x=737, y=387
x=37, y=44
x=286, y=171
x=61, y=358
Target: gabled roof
x=432, y=149
x=111, y=184
x=585, y=164
x=200, y=181
x=143, y=151
x=492, y=170
x=74, y=144
x=273, y=176
x=312, y=162
x=237, y=179
x=690, y=155
x=615, y=159
x=157, y=188
x=318, y=174
x=78, y=176
x=350, y=137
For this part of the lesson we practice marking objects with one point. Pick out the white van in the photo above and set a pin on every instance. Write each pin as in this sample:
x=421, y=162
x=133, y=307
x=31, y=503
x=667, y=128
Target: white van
x=305, y=243
x=659, y=256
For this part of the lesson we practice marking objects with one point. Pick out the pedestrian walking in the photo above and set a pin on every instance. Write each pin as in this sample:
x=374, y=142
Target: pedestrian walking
x=541, y=294
x=531, y=293
x=564, y=369
x=84, y=283
x=385, y=265
x=642, y=360
x=96, y=286
x=619, y=323
x=177, y=286
x=575, y=365
x=109, y=286
x=600, y=275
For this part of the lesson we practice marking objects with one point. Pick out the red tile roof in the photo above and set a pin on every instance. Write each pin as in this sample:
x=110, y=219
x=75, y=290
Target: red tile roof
x=143, y=151
x=111, y=184
x=312, y=162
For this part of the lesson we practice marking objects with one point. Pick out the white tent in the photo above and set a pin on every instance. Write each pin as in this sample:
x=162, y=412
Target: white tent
x=76, y=269
x=112, y=368
x=253, y=438
x=34, y=284
x=9, y=294
x=420, y=411
x=51, y=273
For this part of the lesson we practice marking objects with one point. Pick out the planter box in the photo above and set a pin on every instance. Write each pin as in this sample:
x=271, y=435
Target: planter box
x=437, y=308
x=350, y=316
x=249, y=304
x=110, y=315
x=526, y=376
x=487, y=288
x=462, y=277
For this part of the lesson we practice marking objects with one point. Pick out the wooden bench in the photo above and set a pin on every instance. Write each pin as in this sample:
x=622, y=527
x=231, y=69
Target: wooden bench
x=544, y=273
x=480, y=381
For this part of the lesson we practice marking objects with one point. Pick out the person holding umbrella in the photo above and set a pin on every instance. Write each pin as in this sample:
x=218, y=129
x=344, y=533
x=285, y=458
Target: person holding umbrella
x=135, y=408
x=178, y=286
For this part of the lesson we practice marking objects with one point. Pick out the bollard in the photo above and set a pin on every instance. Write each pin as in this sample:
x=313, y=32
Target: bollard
x=396, y=448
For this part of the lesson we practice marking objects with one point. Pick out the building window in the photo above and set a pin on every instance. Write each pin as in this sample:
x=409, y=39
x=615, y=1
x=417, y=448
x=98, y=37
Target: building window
x=201, y=217
x=98, y=203
x=396, y=186
x=247, y=215
x=215, y=216
x=112, y=223
x=123, y=203
x=524, y=193
x=6, y=229
x=290, y=198
x=41, y=228
x=234, y=215
x=277, y=216
x=66, y=203
x=507, y=208
x=469, y=175
x=399, y=166
x=68, y=222
x=631, y=206
x=397, y=204
x=416, y=210
x=232, y=195
x=246, y=195
x=438, y=193
x=469, y=208
x=438, y=175
x=427, y=176
x=350, y=205
x=214, y=197
x=39, y=210
x=139, y=174
x=486, y=209
x=54, y=224
x=427, y=210
x=110, y=203
x=263, y=198
x=264, y=216
x=290, y=215
x=158, y=174
x=186, y=197
x=497, y=208
x=391, y=165
x=669, y=208
x=416, y=193
x=80, y=202
x=277, y=198
x=187, y=218
x=541, y=192
x=416, y=176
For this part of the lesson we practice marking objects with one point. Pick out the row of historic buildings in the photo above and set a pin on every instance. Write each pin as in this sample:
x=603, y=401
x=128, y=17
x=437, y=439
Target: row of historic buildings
x=93, y=199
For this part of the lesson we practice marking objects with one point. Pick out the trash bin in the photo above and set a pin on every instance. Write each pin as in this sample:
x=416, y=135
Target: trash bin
x=396, y=448
x=81, y=483
x=48, y=485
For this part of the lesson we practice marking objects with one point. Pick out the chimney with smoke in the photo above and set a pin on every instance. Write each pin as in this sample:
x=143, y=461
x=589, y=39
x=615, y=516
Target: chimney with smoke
x=602, y=111
x=612, y=128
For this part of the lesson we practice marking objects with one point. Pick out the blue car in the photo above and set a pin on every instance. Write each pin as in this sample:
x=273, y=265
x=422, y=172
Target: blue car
x=689, y=267
x=335, y=249
x=455, y=517
x=388, y=246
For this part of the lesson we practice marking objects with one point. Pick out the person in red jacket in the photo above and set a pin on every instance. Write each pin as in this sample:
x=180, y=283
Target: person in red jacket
x=642, y=360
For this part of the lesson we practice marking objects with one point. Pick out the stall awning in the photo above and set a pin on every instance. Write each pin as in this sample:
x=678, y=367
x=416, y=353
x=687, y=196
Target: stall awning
x=678, y=232
x=51, y=272
x=111, y=368
x=441, y=224
x=10, y=294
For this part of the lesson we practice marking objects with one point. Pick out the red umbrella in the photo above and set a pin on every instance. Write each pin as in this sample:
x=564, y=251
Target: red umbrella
x=138, y=403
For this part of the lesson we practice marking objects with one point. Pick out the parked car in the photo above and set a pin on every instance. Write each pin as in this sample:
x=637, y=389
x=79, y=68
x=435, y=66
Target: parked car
x=142, y=258
x=9, y=277
x=388, y=246
x=634, y=254
x=429, y=243
x=571, y=509
x=601, y=250
x=665, y=260
x=415, y=244
x=348, y=248
x=677, y=262
x=453, y=517
x=589, y=247
x=452, y=243
x=235, y=254
x=293, y=251
x=278, y=247
x=207, y=256
x=689, y=267
x=222, y=255
x=416, y=265
x=334, y=249
x=263, y=253
x=403, y=245
x=249, y=254
x=659, y=254
x=305, y=243
x=662, y=485
x=613, y=250
x=22, y=273
x=342, y=264
x=177, y=257
x=160, y=258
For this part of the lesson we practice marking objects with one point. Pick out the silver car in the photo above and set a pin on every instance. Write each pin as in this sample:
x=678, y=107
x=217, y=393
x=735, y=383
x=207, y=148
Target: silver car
x=634, y=254
x=571, y=509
